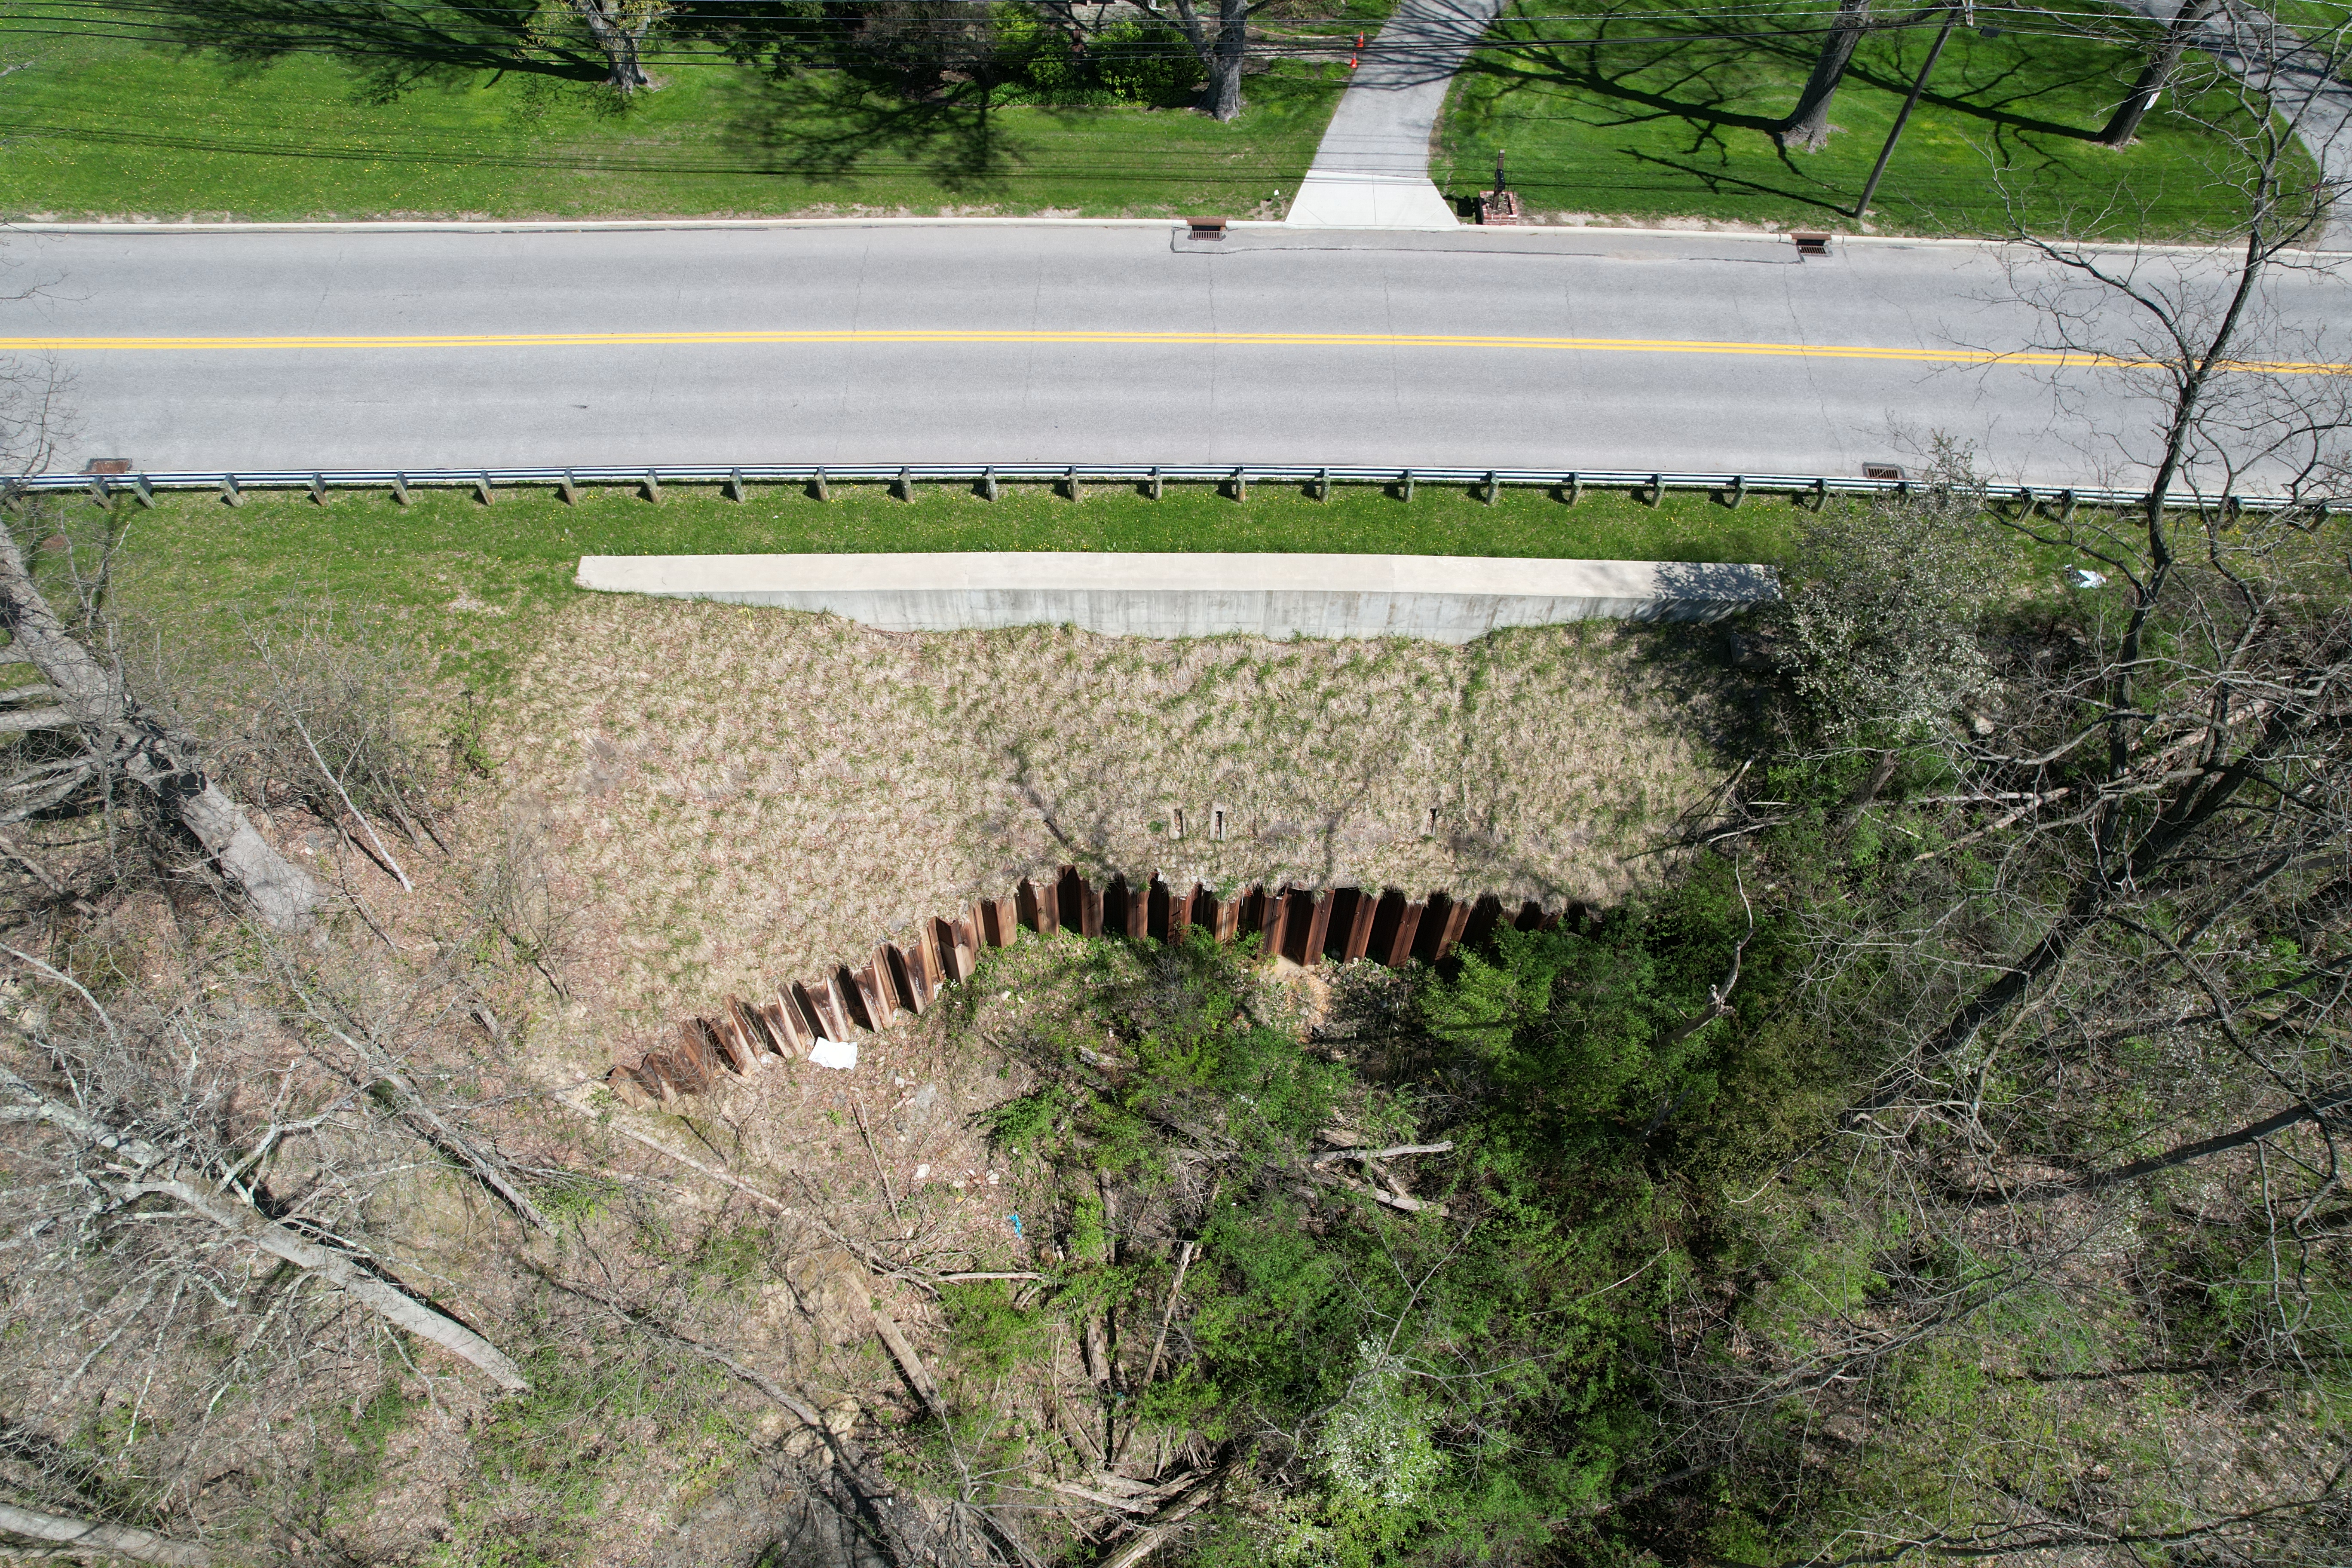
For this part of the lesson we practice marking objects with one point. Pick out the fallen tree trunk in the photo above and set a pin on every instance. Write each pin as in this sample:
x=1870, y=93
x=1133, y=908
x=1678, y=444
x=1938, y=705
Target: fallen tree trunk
x=85, y=1536
x=902, y=1351
x=241, y=1220
x=395, y=1306
x=1150, y=1537
x=161, y=763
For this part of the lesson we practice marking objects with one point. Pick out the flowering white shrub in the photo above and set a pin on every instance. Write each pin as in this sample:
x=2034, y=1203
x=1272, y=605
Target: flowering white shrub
x=1374, y=1446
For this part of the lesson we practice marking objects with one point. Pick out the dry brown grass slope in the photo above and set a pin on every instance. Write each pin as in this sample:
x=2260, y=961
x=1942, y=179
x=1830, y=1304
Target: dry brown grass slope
x=729, y=795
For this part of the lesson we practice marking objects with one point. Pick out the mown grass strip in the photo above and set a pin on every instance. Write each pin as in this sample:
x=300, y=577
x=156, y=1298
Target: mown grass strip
x=465, y=580
x=104, y=125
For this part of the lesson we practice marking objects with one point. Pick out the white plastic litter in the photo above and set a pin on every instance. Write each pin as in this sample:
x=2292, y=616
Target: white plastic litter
x=834, y=1053
x=2083, y=577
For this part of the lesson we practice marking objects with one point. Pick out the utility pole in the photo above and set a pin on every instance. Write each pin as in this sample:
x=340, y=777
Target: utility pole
x=1870, y=188
x=2162, y=61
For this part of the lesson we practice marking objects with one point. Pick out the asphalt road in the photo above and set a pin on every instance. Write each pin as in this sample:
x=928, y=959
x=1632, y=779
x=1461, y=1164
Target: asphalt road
x=1047, y=343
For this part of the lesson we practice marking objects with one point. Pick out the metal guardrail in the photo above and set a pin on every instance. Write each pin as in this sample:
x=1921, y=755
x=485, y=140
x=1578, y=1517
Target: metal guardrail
x=1654, y=485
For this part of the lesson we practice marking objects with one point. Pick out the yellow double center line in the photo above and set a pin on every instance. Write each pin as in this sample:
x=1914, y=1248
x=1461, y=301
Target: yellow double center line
x=1962, y=356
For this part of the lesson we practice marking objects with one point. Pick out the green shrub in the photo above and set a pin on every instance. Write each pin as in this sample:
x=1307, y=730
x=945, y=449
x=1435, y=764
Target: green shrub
x=1135, y=60
x=990, y=1335
x=1145, y=62
x=1427, y=1385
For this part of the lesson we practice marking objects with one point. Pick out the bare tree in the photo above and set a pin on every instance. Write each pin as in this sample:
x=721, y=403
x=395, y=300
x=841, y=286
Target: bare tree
x=619, y=27
x=2097, y=971
x=2103, y=986
x=1807, y=126
x=2222, y=364
x=1222, y=44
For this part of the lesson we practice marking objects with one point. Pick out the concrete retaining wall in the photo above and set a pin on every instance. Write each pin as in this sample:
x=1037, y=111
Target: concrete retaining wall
x=1443, y=598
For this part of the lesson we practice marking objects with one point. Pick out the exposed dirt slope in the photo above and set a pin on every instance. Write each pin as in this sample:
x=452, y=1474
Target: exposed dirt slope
x=728, y=795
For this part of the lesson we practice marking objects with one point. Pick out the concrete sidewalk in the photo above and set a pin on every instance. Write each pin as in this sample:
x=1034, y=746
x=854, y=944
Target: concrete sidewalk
x=1371, y=170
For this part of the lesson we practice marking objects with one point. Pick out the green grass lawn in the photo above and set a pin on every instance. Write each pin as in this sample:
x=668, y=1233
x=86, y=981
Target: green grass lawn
x=106, y=126
x=2315, y=18
x=468, y=582
x=1674, y=123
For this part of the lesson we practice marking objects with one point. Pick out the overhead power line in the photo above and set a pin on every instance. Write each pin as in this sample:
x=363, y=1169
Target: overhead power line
x=374, y=36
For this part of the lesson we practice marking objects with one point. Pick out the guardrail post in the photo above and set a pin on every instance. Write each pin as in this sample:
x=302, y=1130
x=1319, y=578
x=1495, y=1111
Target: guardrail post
x=2061, y=505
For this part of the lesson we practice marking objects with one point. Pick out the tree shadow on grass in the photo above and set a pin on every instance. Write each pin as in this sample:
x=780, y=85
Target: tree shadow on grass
x=1635, y=105
x=1683, y=72
x=1676, y=75
x=829, y=127
x=393, y=44
x=1719, y=182
x=1987, y=99
x=1730, y=713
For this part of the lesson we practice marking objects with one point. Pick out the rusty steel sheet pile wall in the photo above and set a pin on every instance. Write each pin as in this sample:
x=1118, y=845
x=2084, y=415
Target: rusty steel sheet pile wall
x=1305, y=925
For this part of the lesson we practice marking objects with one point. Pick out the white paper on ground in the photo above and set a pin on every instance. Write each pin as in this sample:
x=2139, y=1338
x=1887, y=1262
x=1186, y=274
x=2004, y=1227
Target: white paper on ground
x=834, y=1053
